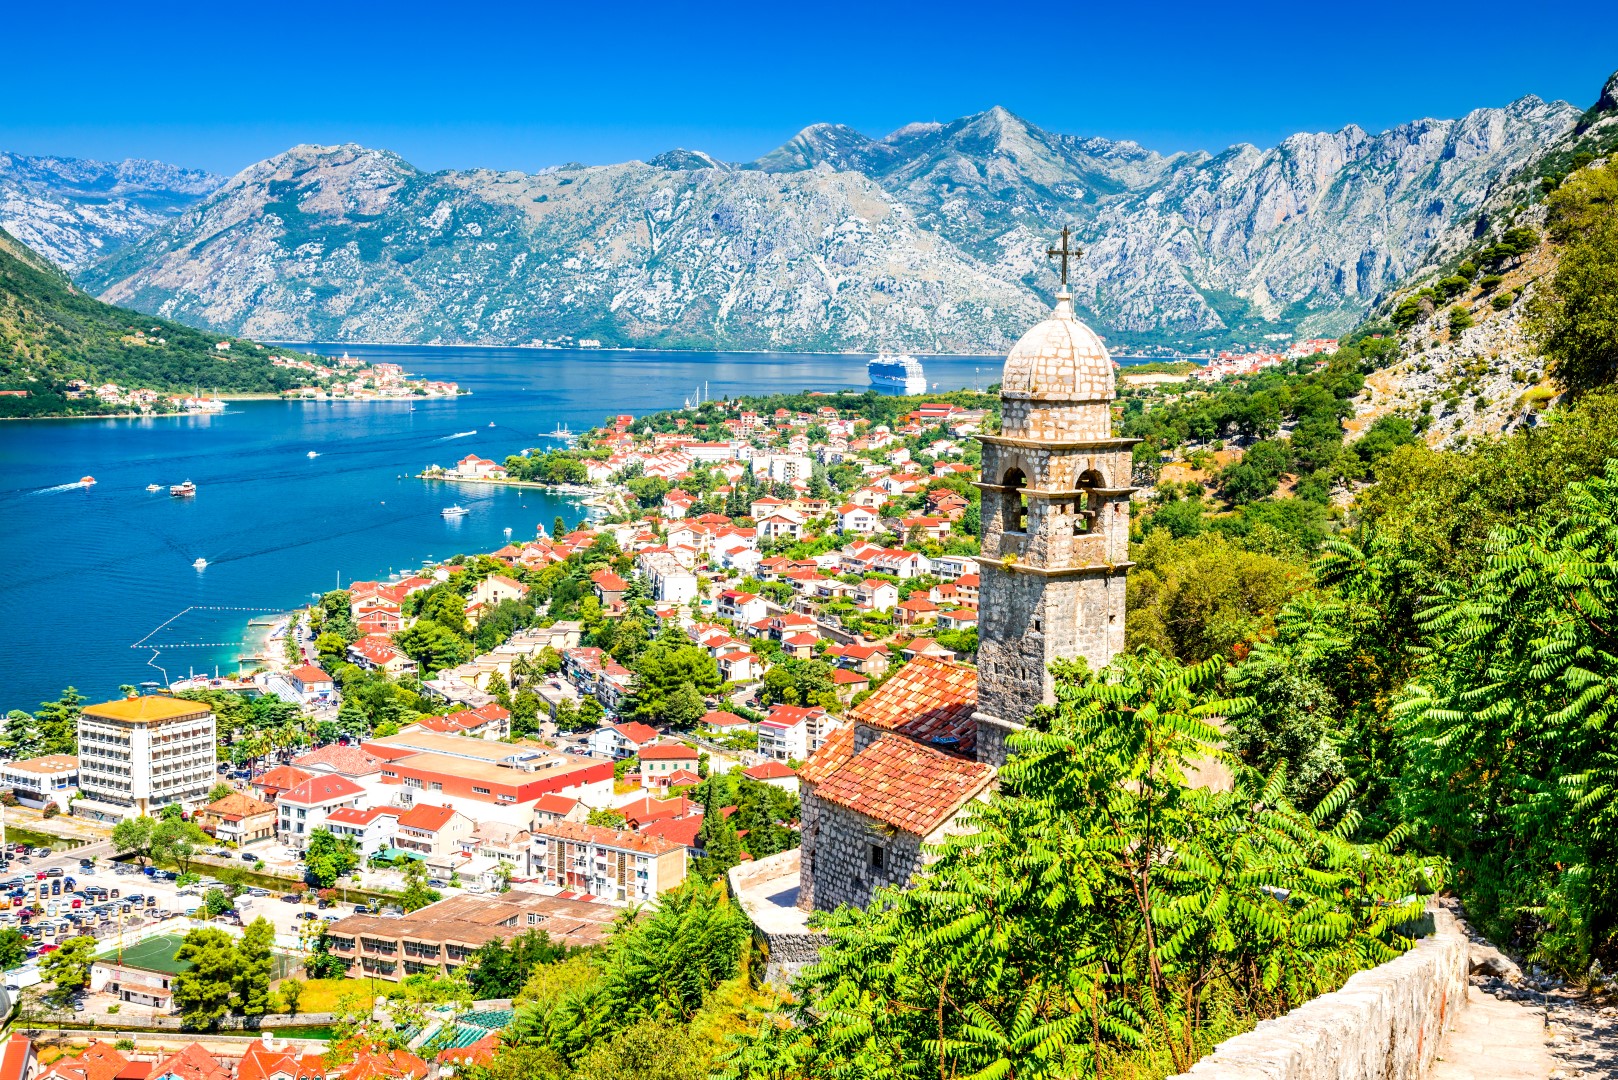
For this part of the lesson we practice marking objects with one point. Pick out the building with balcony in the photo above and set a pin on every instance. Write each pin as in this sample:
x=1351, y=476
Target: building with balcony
x=138, y=755
x=616, y=865
x=440, y=938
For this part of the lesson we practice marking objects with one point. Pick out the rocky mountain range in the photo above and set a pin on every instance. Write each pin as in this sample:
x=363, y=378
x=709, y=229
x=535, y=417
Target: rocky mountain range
x=74, y=211
x=930, y=238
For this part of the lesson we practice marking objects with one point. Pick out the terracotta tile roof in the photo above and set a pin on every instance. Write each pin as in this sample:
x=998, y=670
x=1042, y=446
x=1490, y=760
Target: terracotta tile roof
x=905, y=784
x=346, y=760
x=551, y=803
x=668, y=751
x=682, y=831
x=308, y=673
x=237, y=805
x=636, y=732
x=322, y=789
x=769, y=770
x=378, y=1064
x=100, y=1061
x=353, y=815
x=929, y=700
x=281, y=778
x=261, y=1062
x=620, y=839
x=427, y=818
x=191, y=1063
x=831, y=756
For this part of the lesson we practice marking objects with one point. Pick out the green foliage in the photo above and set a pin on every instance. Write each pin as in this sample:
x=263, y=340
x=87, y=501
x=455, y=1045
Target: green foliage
x=134, y=836
x=721, y=847
x=1576, y=318
x=662, y=967
x=1512, y=761
x=53, y=729
x=417, y=893
x=291, y=991
x=205, y=991
x=52, y=332
x=255, y=968
x=501, y=970
x=664, y=676
x=795, y=681
x=67, y=969
x=329, y=858
x=1203, y=597
x=1100, y=907
x=13, y=948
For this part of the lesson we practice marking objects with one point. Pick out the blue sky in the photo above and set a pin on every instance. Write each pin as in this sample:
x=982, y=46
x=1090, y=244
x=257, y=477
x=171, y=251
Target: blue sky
x=454, y=85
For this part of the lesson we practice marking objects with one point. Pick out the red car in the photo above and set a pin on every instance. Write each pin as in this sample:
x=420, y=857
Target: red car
x=43, y=949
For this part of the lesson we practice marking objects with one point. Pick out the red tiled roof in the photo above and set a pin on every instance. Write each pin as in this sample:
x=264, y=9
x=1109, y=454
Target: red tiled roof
x=13, y=1065
x=552, y=803
x=322, y=789
x=668, y=751
x=427, y=818
x=905, y=784
x=191, y=1063
x=636, y=732
x=679, y=830
x=346, y=760
x=261, y=1063
x=769, y=770
x=832, y=755
x=722, y=719
x=282, y=778
x=308, y=673
x=623, y=839
x=648, y=810
x=929, y=700
x=353, y=815
x=383, y=1065
x=845, y=677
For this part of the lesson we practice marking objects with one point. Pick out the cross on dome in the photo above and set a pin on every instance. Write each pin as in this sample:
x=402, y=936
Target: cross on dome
x=1065, y=253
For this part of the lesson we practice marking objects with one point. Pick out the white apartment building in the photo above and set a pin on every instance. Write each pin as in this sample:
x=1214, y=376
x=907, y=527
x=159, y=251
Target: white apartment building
x=138, y=755
x=613, y=865
x=53, y=778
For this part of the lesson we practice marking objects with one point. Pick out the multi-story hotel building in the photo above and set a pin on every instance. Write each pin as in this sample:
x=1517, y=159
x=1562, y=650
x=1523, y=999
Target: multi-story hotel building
x=138, y=755
x=614, y=865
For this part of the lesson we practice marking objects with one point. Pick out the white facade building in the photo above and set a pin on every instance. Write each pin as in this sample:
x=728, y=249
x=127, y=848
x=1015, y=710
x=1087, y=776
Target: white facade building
x=138, y=755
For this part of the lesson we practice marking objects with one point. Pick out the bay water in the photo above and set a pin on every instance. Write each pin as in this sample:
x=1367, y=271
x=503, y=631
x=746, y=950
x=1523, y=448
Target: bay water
x=97, y=583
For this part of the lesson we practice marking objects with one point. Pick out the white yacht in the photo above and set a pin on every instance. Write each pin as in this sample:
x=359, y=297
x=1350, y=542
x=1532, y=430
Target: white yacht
x=900, y=374
x=454, y=511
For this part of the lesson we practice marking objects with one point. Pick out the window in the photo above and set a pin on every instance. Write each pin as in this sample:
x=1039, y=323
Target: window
x=879, y=857
x=481, y=790
x=1015, y=517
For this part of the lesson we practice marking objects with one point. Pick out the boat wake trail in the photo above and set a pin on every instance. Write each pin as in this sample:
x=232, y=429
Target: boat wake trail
x=457, y=435
x=58, y=487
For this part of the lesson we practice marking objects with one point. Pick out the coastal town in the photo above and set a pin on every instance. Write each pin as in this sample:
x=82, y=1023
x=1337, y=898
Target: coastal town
x=343, y=378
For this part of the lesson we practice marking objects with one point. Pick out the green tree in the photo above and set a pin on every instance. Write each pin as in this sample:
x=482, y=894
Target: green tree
x=1099, y=905
x=417, y=893
x=176, y=842
x=433, y=646
x=255, y=968
x=1576, y=318
x=13, y=948
x=664, y=669
x=1511, y=759
x=795, y=681
x=67, y=969
x=329, y=858
x=205, y=990
x=58, y=723
x=721, y=849
x=219, y=791
x=135, y=836
x=291, y=994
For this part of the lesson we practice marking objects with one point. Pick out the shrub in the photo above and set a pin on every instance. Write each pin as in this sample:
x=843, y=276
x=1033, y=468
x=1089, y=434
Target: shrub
x=1460, y=317
x=1490, y=282
x=1501, y=302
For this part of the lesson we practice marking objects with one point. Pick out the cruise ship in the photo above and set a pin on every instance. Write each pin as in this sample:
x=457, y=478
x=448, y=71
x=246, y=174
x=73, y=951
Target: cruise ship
x=897, y=374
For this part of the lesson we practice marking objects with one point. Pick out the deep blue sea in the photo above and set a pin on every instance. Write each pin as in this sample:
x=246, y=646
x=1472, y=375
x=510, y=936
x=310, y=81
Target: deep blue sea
x=87, y=572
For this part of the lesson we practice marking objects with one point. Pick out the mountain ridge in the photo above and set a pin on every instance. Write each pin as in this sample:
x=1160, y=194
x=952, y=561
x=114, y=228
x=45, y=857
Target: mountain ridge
x=929, y=238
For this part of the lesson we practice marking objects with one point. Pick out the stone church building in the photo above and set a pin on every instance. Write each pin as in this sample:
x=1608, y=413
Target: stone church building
x=927, y=743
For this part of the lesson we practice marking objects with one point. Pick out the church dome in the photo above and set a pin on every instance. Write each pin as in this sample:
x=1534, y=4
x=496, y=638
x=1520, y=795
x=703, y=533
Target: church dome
x=1061, y=359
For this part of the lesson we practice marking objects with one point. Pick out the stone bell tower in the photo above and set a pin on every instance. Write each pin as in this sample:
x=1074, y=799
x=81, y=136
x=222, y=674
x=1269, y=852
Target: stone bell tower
x=1055, y=516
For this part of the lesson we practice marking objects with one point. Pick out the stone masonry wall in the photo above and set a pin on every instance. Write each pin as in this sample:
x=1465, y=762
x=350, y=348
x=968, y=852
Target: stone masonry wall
x=1384, y=1024
x=837, y=864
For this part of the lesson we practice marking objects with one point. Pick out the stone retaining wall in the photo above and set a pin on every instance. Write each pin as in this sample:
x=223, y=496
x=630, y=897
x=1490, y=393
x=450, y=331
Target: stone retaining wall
x=1384, y=1024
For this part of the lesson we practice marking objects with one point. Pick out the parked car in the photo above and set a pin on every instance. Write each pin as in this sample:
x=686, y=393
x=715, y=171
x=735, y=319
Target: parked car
x=87, y=865
x=291, y=897
x=55, y=871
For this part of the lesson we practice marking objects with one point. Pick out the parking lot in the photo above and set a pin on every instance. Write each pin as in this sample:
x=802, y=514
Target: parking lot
x=54, y=896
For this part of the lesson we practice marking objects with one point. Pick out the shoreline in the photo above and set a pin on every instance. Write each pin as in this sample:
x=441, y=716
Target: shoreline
x=190, y=414
x=998, y=357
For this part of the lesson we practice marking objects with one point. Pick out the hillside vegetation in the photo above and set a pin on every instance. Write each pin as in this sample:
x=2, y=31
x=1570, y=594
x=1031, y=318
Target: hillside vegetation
x=51, y=333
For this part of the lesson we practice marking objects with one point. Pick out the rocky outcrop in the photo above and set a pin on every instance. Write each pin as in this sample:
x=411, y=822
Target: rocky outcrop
x=931, y=238
x=74, y=211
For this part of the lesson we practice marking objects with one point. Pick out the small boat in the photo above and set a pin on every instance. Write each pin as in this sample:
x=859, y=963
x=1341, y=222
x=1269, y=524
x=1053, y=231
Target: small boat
x=154, y=487
x=183, y=491
x=491, y=423
x=314, y=453
x=87, y=481
x=454, y=511
x=200, y=563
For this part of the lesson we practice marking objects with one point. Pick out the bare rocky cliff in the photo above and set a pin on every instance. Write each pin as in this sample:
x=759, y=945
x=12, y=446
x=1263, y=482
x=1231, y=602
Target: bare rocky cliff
x=931, y=238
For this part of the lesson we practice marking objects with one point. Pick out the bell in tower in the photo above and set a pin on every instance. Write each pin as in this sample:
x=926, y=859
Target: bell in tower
x=1055, y=519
